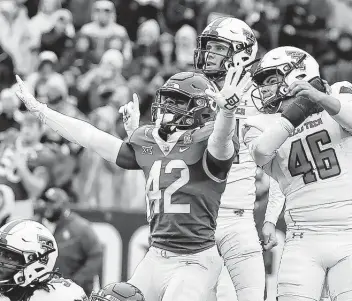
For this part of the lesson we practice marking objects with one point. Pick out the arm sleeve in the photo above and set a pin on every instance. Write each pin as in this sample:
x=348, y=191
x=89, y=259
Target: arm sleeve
x=275, y=204
x=263, y=144
x=220, y=143
x=84, y=134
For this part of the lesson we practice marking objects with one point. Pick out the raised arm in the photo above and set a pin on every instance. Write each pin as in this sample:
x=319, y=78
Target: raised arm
x=222, y=145
x=80, y=132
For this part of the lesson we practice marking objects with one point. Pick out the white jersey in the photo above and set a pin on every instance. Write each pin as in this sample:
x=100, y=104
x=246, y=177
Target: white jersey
x=313, y=168
x=240, y=191
x=60, y=289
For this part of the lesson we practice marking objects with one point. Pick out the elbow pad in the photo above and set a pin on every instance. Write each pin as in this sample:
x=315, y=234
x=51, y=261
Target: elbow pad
x=302, y=107
x=298, y=111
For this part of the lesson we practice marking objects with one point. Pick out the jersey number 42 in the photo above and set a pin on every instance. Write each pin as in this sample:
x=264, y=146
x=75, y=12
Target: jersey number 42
x=325, y=161
x=154, y=194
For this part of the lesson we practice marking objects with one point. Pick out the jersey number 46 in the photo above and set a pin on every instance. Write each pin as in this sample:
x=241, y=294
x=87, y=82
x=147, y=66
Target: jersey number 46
x=325, y=161
x=154, y=194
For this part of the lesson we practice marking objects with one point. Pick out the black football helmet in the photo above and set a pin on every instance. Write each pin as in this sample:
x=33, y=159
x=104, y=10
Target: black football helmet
x=121, y=291
x=181, y=103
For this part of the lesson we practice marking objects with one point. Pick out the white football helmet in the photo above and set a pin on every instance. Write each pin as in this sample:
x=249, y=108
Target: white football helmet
x=288, y=64
x=243, y=46
x=28, y=252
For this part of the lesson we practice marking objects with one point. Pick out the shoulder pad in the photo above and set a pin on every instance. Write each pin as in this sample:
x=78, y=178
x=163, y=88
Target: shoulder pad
x=343, y=87
x=141, y=134
x=261, y=121
x=203, y=133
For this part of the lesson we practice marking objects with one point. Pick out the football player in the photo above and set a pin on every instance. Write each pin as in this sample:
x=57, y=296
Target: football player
x=305, y=144
x=28, y=253
x=224, y=43
x=225, y=47
x=185, y=157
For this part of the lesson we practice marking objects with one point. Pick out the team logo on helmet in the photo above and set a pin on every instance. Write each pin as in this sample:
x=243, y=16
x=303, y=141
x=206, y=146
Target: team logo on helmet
x=250, y=39
x=296, y=56
x=47, y=245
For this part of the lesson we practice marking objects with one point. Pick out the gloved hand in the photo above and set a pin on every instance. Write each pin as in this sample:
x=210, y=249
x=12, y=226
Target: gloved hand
x=33, y=105
x=233, y=89
x=131, y=115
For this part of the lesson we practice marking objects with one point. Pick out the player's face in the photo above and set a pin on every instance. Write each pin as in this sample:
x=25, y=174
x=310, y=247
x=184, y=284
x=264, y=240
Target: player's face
x=270, y=86
x=168, y=116
x=216, y=51
x=9, y=260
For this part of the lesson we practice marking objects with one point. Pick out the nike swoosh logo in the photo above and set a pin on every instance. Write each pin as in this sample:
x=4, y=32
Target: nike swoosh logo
x=182, y=149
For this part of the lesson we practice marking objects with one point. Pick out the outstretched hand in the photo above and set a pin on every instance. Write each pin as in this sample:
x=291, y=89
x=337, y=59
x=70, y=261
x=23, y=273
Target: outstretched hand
x=234, y=88
x=27, y=98
x=131, y=114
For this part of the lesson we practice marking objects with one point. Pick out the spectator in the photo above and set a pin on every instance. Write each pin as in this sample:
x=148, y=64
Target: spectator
x=43, y=21
x=145, y=85
x=148, y=34
x=21, y=171
x=80, y=251
x=59, y=39
x=177, y=13
x=341, y=10
x=166, y=51
x=103, y=29
x=55, y=94
x=97, y=178
x=16, y=38
x=341, y=67
x=81, y=11
x=10, y=116
x=100, y=79
x=185, y=43
x=46, y=70
x=213, y=9
x=67, y=153
x=7, y=71
x=80, y=62
x=257, y=20
x=121, y=96
x=304, y=25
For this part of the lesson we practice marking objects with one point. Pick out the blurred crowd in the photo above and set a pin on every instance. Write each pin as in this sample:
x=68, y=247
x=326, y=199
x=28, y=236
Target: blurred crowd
x=87, y=57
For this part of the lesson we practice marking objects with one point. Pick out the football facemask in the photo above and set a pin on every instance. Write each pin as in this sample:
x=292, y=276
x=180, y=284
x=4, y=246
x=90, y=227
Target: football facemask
x=180, y=110
x=268, y=95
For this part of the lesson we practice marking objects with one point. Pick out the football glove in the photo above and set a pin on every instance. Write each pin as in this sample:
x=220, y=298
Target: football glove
x=33, y=105
x=130, y=115
x=235, y=85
